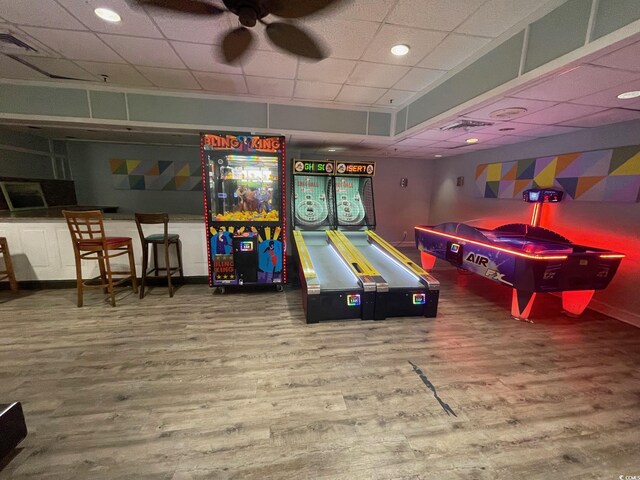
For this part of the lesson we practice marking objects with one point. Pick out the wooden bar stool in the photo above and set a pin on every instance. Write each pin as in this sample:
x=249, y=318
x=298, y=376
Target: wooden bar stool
x=154, y=240
x=91, y=243
x=7, y=273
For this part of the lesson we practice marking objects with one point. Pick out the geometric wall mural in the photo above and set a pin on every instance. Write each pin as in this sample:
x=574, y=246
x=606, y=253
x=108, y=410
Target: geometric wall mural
x=602, y=175
x=155, y=175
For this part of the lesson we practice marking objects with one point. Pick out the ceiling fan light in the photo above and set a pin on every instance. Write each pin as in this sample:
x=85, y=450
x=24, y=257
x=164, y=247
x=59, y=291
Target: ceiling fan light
x=400, y=50
x=107, y=15
x=472, y=140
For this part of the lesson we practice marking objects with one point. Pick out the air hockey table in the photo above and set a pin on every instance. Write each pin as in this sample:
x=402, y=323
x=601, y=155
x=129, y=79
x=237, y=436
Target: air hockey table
x=527, y=258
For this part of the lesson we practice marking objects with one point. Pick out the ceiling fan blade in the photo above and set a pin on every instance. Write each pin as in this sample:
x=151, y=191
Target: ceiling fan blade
x=295, y=40
x=193, y=7
x=236, y=43
x=298, y=8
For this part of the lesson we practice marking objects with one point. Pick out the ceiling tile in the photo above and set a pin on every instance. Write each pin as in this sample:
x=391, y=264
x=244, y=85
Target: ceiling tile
x=482, y=137
x=550, y=130
x=454, y=50
x=133, y=21
x=518, y=128
x=421, y=43
x=395, y=97
x=354, y=94
x=187, y=28
x=415, y=142
x=371, y=10
x=609, y=97
x=60, y=67
x=509, y=139
x=43, y=13
x=118, y=73
x=13, y=69
x=442, y=15
x=496, y=16
x=148, y=52
x=484, y=113
x=204, y=58
x=558, y=113
x=344, y=38
x=436, y=134
x=627, y=58
x=222, y=83
x=576, y=83
x=418, y=78
x=606, y=117
x=270, y=87
x=376, y=74
x=169, y=78
x=75, y=45
x=270, y=64
x=316, y=90
x=330, y=70
x=41, y=50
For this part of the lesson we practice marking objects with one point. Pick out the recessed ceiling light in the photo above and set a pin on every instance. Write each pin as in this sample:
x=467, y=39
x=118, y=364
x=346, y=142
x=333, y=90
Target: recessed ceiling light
x=108, y=15
x=331, y=149
x=472, y=140
x=629, y=95
x=438, y=156
x=400, y=50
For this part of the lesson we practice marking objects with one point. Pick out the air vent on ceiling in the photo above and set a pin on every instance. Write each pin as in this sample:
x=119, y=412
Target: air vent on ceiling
x=465, y=125
x=508, y=113
x=9, y=43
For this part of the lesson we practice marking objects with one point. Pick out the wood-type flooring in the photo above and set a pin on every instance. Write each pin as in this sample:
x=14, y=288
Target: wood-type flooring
x=237, y=386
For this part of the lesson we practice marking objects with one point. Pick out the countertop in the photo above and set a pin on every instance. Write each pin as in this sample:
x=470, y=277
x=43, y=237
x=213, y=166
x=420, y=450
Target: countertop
x=55, y=213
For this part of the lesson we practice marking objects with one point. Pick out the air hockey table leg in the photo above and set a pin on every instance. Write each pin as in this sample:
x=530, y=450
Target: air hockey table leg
x=574, y=302
x=427, y=260
x=521, y=303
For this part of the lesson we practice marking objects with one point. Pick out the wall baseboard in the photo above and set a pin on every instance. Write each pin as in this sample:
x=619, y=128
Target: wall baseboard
x=621, y=314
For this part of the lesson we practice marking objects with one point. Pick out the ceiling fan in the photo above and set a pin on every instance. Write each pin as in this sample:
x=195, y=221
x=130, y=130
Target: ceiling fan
x=284, y=35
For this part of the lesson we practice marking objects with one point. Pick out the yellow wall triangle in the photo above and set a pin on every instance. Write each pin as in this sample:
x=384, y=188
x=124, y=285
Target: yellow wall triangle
x=493, y=172
x=630, y=167
x=546, y=177
x=132, y=164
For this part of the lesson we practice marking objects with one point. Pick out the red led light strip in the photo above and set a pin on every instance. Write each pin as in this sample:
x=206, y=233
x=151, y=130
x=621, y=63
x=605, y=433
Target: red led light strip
x=493, y=247
x=283, y=208
x=205, y=176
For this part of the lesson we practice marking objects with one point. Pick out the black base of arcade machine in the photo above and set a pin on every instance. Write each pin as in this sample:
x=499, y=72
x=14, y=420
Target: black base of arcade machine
x=13, y=428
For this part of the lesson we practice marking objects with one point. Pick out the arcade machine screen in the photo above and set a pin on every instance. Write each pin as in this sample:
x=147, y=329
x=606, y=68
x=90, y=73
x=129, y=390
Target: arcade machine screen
x=244, y=188
x=354, y=195
x=312, y=192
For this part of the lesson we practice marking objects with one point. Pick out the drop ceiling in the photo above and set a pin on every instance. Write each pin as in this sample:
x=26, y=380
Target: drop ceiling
x=169, y=52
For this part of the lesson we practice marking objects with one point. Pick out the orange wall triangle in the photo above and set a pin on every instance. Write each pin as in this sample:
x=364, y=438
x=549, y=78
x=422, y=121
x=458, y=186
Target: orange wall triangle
x=563, y=161
x=585, y=184
x=511, y=174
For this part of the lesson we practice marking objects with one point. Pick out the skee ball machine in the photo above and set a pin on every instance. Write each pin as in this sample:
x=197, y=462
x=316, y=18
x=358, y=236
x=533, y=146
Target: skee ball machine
x=244, y=186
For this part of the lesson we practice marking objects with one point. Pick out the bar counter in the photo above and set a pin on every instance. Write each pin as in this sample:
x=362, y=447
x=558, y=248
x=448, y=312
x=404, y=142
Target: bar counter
x=41, y=248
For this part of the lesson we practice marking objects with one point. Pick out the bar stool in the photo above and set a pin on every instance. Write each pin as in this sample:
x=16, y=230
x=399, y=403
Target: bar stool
x=154, y=240
x=7, y=273
x=91, y=243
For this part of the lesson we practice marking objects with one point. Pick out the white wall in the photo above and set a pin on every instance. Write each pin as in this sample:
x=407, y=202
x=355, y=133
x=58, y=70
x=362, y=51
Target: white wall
x=94, y=186
x=599, y=224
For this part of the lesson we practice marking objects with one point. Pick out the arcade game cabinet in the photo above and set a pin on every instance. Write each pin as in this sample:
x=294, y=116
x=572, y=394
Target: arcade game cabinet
x=244, y=202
